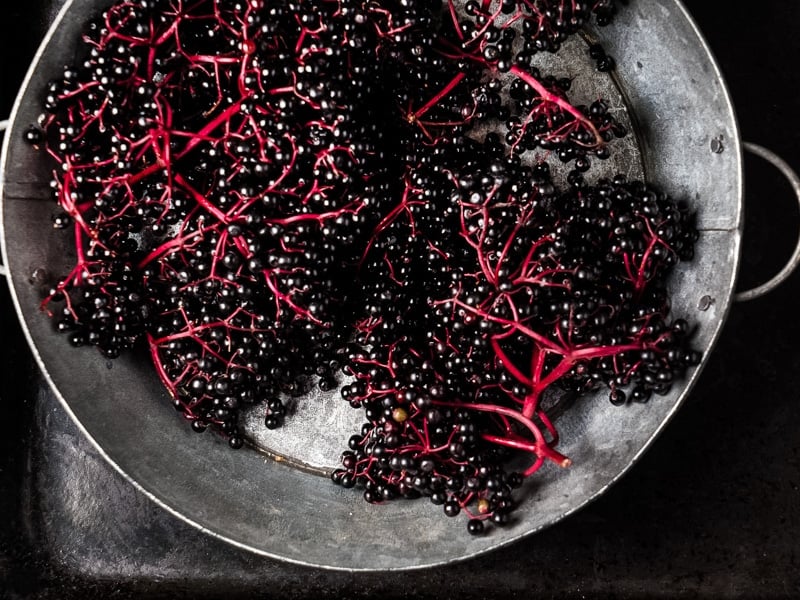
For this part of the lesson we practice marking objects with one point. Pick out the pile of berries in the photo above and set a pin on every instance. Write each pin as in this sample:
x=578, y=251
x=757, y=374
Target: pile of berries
x=266, y=196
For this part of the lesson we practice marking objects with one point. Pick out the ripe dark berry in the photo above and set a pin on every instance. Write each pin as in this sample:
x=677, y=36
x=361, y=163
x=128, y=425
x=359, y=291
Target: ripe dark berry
x=606, y=64
x=33, y=135
x=475, y=527
x=617, y=397
x=451, y=508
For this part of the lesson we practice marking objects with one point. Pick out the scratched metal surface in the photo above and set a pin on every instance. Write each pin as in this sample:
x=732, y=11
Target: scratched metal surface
x=270, y=508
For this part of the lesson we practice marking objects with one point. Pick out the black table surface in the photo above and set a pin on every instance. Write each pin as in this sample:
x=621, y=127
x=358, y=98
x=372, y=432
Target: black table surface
x=712, y=510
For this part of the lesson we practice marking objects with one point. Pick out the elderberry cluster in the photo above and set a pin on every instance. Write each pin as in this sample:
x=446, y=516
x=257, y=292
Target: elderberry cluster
x=227, y=158
x=541, y=291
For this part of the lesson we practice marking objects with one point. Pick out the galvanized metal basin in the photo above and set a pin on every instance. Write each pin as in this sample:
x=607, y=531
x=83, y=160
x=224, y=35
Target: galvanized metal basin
x=687, y=142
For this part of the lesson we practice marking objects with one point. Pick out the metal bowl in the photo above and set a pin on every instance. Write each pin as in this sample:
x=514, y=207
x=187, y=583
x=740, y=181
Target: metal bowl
x=687, y=142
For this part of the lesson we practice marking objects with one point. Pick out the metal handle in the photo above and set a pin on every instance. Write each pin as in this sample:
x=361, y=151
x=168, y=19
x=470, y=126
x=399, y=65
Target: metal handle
x=794, y=261
x=3, y=127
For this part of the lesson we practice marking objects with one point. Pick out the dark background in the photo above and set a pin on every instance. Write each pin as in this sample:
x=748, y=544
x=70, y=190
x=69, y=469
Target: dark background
x=712, y=510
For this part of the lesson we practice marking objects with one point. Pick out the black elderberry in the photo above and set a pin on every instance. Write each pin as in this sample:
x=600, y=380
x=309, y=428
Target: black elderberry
x=475, y=527
x=606, y=64
x=617, y=397
x=501, y=518
x=452, y=508
x=596, y=51
x=33, y=135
